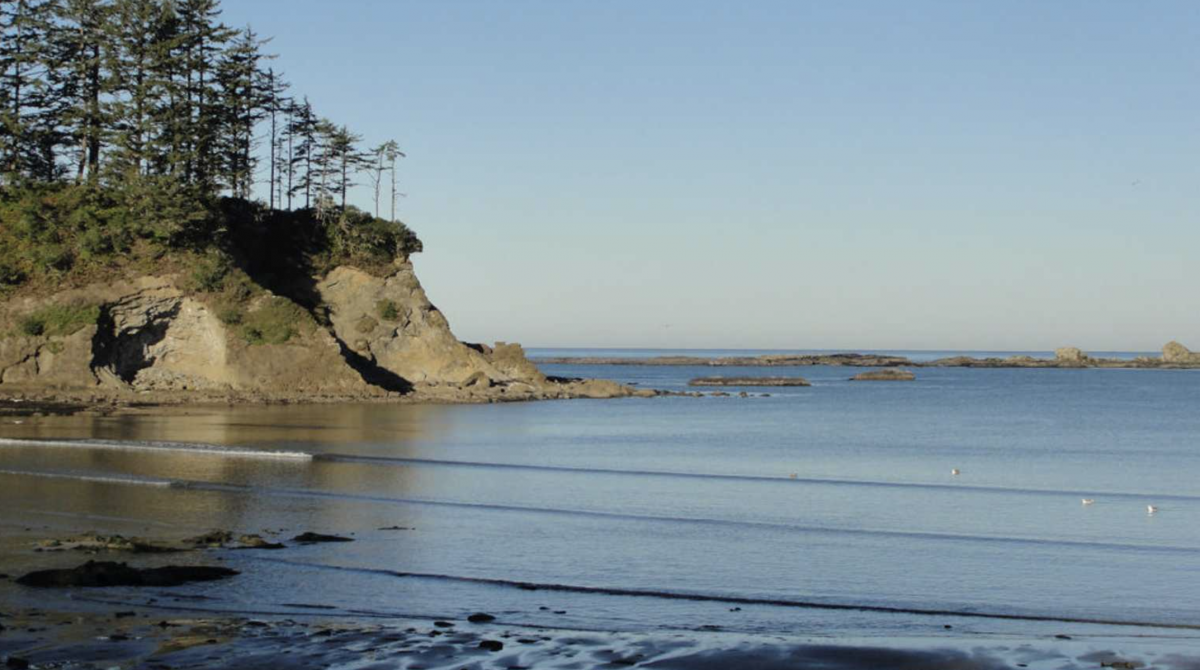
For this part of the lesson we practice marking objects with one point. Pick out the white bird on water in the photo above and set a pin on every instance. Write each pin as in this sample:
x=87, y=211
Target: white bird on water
x=1151, y=509
x=955, y=471
x=1088, y=501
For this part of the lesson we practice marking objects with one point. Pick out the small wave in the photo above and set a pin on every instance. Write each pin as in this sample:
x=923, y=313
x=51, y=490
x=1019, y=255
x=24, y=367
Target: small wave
x=735, y=600
x=88, y=477
x=778, y=479
x=624, y=516
x=176, y=447
x=242, y=489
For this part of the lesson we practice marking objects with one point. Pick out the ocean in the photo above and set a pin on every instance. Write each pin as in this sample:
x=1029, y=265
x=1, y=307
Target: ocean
x=827, y=512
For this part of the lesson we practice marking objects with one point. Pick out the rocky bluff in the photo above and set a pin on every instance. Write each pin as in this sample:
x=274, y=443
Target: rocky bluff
x=365, y=335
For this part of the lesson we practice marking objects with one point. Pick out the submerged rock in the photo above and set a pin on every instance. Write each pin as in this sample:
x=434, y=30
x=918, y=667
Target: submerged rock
x=257, y=542
x=318, y=538
x=886, y=375
x=481, y=617
x=103, y=574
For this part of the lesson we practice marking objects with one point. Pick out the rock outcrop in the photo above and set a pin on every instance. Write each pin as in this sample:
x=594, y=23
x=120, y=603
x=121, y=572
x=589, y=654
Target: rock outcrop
x=369, y=337
x=1070, y=355
x=1174, y=352
x=1174, y=355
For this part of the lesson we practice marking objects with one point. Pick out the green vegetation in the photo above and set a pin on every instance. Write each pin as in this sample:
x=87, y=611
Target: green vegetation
x=275, y=321
x=388, y=310
x=58, y=320
x=133, y=134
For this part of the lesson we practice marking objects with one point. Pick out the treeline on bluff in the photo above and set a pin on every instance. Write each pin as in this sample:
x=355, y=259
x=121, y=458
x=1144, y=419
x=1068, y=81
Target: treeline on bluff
x=134, y=135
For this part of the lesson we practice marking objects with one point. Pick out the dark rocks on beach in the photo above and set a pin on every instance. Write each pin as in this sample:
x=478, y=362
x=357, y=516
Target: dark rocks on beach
x=885, y=375
x=317, y=538
x=257, y=542
x=749, y=381
x=491, y=645
x=16, y=663
x=213, y=539
x=104, y=574
x=480, y=617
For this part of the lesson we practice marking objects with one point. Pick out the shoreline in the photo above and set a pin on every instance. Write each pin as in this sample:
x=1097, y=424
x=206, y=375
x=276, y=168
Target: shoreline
x=859, y=360
x=174, y=635
x=163, y=630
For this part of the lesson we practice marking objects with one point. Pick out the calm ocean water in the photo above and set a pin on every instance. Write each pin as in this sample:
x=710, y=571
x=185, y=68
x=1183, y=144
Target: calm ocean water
x=828, y=510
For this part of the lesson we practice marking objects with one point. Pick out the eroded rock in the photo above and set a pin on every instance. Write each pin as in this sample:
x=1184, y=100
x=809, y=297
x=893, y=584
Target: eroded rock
x=99, y=574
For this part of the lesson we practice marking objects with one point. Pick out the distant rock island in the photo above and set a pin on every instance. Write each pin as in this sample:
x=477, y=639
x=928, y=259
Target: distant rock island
x=885, y=375
x=749, y=381
x=1174, y=356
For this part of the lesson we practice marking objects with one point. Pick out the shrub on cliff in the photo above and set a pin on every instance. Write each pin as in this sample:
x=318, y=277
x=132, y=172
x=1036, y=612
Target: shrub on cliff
x=275, y=321
x=58, y=320
x=51, y=233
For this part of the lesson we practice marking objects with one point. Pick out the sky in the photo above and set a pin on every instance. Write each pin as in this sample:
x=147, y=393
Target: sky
x=779, y=174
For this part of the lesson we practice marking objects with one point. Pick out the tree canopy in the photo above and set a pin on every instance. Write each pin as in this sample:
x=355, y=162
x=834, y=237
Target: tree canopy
x=131, y=121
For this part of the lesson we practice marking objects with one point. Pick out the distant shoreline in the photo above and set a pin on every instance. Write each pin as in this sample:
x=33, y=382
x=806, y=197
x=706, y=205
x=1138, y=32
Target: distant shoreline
x=1175, y=357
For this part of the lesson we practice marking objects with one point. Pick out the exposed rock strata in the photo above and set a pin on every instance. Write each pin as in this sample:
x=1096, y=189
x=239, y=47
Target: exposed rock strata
x=370, y=337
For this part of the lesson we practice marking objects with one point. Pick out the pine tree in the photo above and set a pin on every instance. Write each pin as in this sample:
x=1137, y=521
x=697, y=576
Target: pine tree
x=242, y=101
x=202, y=39
x=139, y=83
x=25, y=27
x=276, y=104
x=383, y=159
x=349, y=159
x=81, y=49
x=392, y=153
x=324, y=163
x=303, y=128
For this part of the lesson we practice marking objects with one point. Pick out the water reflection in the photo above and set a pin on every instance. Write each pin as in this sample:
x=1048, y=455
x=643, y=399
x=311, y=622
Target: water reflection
x=278, y=426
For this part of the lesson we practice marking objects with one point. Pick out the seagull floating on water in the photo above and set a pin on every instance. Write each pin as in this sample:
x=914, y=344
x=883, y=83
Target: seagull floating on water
x=955, y=471
x=1088, y=501
x=1151, y=509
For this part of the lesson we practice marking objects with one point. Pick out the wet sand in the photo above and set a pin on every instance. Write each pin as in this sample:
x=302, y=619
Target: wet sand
x=166, y=637
x=170, y=628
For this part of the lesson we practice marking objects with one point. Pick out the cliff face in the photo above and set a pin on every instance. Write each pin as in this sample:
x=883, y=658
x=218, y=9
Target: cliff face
x=370, y=336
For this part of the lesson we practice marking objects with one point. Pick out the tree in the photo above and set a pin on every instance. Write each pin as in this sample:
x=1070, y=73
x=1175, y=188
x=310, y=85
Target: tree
x=202, y=39
x=378, y=166
x=25, y=27
x=81, y=50
x=276, y=103
x=325, y=162
x=242, y=101
x=139, y=72
x=349, y=159
x=392, y=153
x=305, y=147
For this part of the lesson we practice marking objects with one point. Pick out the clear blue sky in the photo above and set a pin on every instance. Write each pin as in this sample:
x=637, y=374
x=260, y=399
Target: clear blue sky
x=780, y=174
